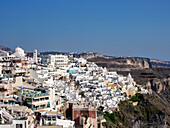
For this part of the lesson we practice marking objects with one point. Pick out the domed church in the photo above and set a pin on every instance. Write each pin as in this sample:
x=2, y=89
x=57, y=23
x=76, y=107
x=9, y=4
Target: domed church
x=19, y=53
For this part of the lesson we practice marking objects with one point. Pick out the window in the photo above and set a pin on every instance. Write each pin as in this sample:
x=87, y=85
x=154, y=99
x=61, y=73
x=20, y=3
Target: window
x=53, y=118
x=18, y=125
x=41, y=99
x=93, y=115
x=81, y=114
x=49, y=118
x=46, y=98
x=77, y=115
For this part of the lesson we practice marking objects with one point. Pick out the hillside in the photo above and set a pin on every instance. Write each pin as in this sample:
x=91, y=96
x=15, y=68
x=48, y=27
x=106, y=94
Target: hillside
x=4, y=50
x=150, y=112
x=152, y=74
x=123, y=63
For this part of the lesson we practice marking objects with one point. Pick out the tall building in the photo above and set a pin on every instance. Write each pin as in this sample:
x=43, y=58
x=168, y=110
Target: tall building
x=60, y=61
x=35, y=56
x=37, y=100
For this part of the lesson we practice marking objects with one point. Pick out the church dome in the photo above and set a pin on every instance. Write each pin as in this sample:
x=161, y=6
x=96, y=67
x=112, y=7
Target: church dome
x=18, y=49
x=19, y=53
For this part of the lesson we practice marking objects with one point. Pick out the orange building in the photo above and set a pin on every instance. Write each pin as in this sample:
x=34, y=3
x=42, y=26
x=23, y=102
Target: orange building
x=83, y=114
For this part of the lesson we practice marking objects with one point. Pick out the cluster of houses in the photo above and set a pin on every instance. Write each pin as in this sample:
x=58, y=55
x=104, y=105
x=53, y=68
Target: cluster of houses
x=58, y=91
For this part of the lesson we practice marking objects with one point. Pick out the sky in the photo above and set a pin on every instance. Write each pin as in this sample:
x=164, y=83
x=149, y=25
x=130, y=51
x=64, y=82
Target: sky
x=111, y=27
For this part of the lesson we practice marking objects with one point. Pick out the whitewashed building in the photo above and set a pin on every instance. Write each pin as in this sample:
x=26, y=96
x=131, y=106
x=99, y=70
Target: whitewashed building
x=60, y=61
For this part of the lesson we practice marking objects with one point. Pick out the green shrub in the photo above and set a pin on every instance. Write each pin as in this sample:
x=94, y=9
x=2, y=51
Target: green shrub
x=137, y=98
x=110, y=116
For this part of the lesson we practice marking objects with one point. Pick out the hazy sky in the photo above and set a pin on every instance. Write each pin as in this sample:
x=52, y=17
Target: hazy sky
x=110, y=27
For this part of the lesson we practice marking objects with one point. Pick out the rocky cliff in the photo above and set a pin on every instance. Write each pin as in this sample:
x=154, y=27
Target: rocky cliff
x=89, y=55
x=122, y=63
x=159, y=64
x=161, y=87
x=154, y=79
x=150, y=112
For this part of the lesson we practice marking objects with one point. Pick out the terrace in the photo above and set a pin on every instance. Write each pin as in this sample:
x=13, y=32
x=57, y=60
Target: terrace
x=35, y=94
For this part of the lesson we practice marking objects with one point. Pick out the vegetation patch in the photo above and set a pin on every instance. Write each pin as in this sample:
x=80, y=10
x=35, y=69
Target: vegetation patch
x=110, y=116
x=137, y=98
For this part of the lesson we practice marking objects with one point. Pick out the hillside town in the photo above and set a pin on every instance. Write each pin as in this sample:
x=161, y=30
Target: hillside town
x=58, y=91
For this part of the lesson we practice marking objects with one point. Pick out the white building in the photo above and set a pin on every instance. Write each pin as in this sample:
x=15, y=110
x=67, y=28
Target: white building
x=60, y=61
x=35, y=60
x=54, y=118
x=7, y=57
x=9, y=118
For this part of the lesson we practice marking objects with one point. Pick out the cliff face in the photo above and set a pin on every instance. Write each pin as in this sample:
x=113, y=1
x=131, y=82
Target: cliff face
x=127, y=62
x=150, y=112
x=121, y=64
x=89, y=55
x=115, y=63
x=141, y=63
x=161, y=87
x=159, y=64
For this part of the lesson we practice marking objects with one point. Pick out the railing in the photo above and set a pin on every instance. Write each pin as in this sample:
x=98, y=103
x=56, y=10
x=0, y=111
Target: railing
x=40, y=108
x=35, y=95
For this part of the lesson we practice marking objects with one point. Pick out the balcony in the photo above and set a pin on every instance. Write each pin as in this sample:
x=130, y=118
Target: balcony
x=35, y=94
x=39, y=108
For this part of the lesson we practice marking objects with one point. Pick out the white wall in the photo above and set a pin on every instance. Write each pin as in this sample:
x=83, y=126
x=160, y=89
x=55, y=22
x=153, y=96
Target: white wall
x=65, y=123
